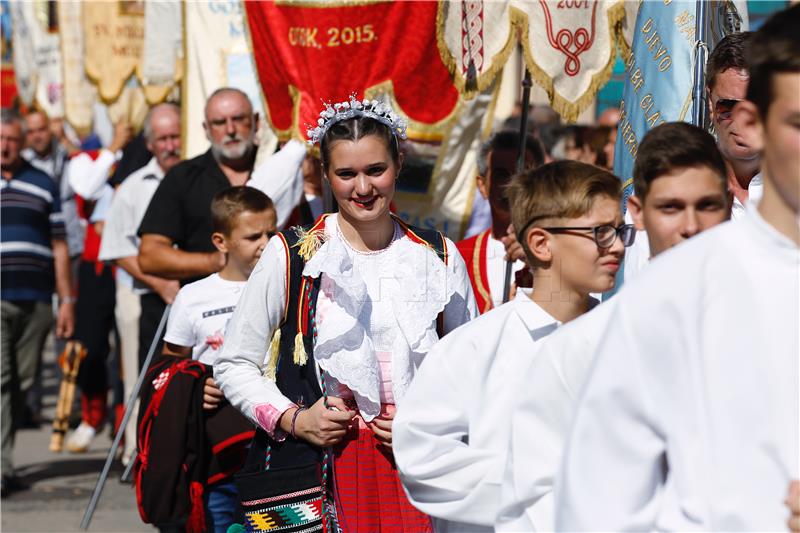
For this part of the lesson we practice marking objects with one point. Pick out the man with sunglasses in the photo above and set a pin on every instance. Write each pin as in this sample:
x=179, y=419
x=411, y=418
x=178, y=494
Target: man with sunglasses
x=726, y=86
x=679, y=178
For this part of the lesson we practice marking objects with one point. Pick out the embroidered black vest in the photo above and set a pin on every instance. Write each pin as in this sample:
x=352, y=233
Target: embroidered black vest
x=299, y=382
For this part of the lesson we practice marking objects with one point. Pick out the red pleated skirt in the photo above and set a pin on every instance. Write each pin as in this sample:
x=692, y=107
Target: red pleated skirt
x=370, y=497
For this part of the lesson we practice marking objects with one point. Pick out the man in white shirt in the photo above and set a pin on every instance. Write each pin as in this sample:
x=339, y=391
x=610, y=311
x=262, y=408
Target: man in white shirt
x=451, y=429
x=689, y=419
x=484, y=253
x=680, y=179
x=120, y=244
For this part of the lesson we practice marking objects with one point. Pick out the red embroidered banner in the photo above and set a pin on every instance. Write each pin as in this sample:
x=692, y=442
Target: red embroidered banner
x=323, y=52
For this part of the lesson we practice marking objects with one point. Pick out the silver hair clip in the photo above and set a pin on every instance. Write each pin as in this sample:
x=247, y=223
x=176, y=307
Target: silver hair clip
x=353, y=108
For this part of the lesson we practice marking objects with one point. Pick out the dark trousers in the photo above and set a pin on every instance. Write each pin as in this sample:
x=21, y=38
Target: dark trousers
x=152, y=310
x=94, y=321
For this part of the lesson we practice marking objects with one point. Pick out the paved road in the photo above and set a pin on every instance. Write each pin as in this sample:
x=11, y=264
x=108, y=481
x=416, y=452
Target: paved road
x=61, y=484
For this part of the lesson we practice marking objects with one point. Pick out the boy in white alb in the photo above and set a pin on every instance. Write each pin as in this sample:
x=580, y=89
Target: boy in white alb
x=451, y=429
x=687, y=423
x=679, y=179
x=243, y=219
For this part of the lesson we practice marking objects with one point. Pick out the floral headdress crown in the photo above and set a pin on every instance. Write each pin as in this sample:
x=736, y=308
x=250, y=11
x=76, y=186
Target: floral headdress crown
x=352, y=108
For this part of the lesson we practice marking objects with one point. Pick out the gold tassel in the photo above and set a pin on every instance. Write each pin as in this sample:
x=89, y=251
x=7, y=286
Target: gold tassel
x=274, y=351
x=300, y=356
x=309, y=242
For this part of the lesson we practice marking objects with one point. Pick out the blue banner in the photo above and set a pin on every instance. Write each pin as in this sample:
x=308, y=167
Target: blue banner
x=658, y=79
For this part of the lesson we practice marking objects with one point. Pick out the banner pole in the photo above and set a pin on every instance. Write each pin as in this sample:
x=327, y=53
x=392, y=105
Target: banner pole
x=101, y=481
x=700, y=55
x=523, y=140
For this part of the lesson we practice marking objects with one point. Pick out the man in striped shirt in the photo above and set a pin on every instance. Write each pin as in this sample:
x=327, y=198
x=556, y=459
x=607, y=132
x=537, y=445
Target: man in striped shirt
x=34, y=260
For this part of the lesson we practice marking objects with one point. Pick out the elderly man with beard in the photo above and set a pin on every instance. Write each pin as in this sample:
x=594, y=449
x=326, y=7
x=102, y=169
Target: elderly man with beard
x=140, y=297
x=176, y=229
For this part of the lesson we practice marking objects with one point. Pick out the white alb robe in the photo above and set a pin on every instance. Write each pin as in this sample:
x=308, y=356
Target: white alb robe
x=541, y=416
x=451, y=429
x=690, y=416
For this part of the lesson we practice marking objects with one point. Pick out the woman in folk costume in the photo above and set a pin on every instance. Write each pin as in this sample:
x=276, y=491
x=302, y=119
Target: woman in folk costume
x=345, y=310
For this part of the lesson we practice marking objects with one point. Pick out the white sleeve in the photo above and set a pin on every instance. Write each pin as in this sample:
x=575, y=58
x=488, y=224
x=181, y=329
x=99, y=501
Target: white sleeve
x=179, y=323
x=238, y=368
x=540, y=422
x=281, y=178
x=443, y=475
x=462, y=307
x=612, y=472
x=100, y=211
x=87, y=176
x=119, y=232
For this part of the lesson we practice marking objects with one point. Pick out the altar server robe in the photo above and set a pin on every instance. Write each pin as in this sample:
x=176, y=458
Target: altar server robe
x=541, y=417
x=689, y=417
x=451, y=429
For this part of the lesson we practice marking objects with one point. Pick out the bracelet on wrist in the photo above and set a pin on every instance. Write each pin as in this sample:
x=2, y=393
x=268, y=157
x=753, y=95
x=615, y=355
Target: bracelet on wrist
x=294, y=420
x=67, y=300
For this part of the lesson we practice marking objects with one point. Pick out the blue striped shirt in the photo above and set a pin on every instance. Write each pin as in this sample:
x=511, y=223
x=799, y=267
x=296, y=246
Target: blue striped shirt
x=30, y=217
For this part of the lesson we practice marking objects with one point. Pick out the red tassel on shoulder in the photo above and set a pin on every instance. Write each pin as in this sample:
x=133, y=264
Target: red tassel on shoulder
x=197, y=516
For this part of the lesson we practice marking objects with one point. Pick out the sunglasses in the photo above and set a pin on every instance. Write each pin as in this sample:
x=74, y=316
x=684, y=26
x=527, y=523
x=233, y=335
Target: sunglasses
x=724, y=107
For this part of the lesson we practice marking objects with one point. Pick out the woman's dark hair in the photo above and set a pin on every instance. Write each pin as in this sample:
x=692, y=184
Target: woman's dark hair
x=355, y=129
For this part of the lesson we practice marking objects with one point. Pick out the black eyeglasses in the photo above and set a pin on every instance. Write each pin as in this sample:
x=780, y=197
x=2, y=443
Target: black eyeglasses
x=724, y=107
x=604, y=236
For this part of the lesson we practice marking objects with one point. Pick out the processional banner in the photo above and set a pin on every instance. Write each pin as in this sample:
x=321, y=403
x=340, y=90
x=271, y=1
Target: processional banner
x=568, y=45
x=217, y=55
x=313, y=52
x=79, y=93
x=37, y=57
x=114, y=42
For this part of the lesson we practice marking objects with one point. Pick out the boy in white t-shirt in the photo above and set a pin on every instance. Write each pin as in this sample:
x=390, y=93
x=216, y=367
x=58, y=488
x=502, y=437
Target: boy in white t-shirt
x=244, y=219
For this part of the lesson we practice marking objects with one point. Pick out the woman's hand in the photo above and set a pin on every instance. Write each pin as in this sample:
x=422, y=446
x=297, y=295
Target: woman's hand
x=381, y=426
x=320, y=426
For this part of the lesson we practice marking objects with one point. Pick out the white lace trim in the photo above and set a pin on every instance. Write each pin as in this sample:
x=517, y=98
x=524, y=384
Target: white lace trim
x=413, y=280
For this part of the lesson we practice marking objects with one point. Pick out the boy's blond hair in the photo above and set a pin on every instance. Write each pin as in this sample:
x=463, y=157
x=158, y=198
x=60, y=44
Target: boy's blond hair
x=563, y=189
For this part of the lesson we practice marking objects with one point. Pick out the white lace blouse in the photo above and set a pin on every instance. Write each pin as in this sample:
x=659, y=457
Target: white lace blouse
x=383, y=301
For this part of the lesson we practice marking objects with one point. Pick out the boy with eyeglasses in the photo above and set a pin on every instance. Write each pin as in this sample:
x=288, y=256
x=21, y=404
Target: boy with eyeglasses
x=679, y=179
x=451, y=430
x=690, y=415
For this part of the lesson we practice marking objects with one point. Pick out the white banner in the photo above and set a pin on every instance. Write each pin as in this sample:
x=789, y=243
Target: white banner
x=163, y=42
x=37, y=59
x=568, y=45
x=447, y=203
x=79, y=93
x=217, y=55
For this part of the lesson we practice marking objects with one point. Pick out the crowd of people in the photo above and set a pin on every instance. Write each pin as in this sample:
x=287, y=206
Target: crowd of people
x=347, y=371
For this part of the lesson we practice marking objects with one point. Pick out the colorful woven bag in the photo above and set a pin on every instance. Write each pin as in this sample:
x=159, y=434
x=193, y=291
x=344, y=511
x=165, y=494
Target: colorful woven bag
x=282, y=499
